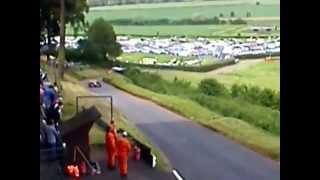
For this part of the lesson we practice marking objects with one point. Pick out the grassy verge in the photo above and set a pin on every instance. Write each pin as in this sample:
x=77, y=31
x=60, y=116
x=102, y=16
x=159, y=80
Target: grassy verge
x=72, y=88
x=246, y=72
x=236, y=129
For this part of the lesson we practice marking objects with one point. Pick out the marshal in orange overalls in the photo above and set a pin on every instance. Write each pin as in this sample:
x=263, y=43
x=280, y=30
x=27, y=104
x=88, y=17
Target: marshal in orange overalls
x=111, y=149
x=123, y=147
x=113, y=129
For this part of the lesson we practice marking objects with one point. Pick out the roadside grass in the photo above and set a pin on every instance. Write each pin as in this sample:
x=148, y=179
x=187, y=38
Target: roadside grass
x=72, y=88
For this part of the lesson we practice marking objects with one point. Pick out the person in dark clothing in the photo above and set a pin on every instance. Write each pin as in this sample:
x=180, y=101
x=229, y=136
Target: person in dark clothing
x=53, y=114
x=49, y=96
x=52, y=140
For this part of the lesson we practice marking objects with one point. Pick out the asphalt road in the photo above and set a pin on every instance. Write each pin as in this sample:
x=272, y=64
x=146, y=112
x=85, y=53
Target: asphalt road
x=197, y=152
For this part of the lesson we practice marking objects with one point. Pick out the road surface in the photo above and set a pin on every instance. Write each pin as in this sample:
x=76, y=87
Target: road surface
x=196, y=152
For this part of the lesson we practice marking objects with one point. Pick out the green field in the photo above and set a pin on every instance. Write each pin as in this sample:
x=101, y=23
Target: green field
x=187, y=30
x=136, y=57
x=260, y=74
x=268, y=13
x=187, y=10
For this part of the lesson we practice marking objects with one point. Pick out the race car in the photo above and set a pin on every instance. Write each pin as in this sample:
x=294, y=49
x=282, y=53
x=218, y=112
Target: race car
x=94, y=84
x=118, y=69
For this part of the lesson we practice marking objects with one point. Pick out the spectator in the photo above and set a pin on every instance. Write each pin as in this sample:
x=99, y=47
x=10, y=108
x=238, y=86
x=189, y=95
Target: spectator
x=49, y=96
x=55, y=87
x=41, y=94
x=53, y=140
x=53, y=115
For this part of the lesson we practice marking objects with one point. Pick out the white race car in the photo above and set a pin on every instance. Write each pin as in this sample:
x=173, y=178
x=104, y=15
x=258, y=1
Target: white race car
x=94, y=84
x=118, y=69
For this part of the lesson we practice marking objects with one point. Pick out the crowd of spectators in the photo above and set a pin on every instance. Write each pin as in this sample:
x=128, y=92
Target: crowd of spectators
x=51, y=105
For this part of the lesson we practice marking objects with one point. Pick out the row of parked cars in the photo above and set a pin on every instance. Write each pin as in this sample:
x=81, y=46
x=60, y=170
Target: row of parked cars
x=202, y=47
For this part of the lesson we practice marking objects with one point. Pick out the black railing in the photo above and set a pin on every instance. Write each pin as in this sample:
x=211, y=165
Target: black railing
x=95, y=97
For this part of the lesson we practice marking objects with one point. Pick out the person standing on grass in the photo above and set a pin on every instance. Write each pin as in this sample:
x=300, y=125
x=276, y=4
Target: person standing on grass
x=111, y=148
x=123, y=148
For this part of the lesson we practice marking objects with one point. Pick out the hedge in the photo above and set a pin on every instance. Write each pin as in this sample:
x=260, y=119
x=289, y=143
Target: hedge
x=205, y=68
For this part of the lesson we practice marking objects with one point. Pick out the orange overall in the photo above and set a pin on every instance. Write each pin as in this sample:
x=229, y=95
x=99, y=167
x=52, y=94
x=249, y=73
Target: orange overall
x=123, y=147
x=114, y=132
x=111, y=150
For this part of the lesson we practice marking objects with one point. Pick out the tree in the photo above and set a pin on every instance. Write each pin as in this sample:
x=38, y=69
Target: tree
x=232, y=14
x=257, y=3
x=212, y=87
x=248, y=14
x=221, y=15
x=102, y=38
x=55, y=14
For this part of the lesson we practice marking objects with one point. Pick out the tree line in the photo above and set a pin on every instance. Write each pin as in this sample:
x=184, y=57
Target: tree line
x=186, y=21
x=94, y=3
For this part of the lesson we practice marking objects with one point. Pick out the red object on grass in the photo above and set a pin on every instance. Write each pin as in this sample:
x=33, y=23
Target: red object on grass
x=137, y=153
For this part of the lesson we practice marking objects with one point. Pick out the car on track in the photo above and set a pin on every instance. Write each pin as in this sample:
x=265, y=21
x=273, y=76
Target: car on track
x=119, y=69
x=94, y=84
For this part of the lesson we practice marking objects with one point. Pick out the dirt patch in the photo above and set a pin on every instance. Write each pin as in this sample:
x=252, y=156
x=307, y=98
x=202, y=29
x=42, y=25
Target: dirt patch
x=236, y=67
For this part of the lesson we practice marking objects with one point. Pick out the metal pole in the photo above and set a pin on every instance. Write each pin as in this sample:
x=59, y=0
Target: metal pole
x=77, y=110
x=111, y=107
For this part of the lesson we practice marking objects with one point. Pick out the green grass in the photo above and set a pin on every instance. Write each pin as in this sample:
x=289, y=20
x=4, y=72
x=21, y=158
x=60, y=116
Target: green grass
x=187, y=30
x=234, y=128
x=261, y=74
x=257, y=115
x=136, y=57
x=267, y=13
x=72, y=88
x=162, y=58
x=186, y=10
